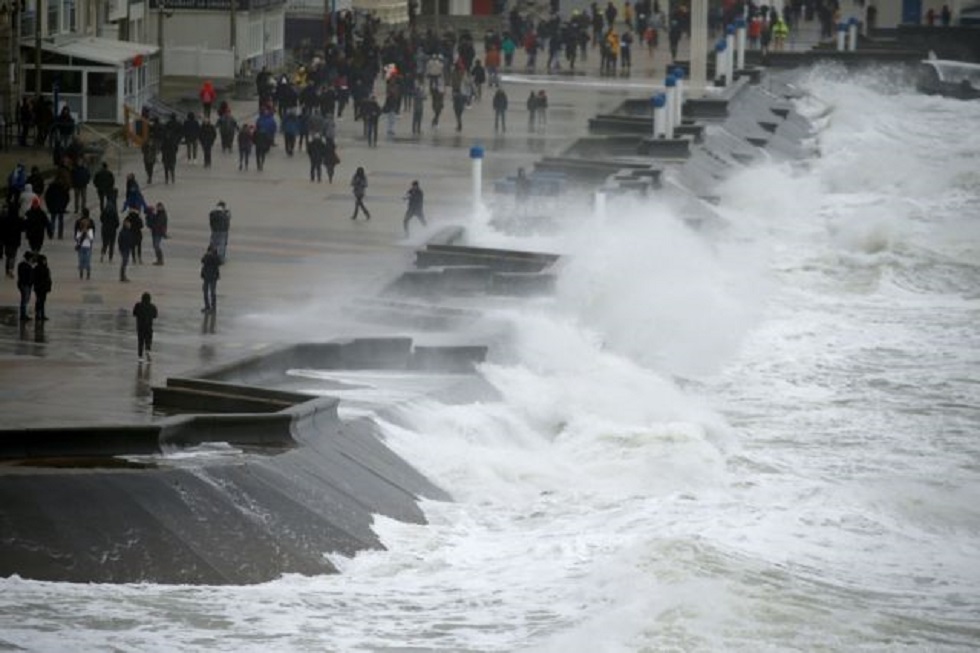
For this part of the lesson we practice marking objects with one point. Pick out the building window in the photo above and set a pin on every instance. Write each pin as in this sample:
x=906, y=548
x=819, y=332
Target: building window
x=54, y=12
x=68, y=17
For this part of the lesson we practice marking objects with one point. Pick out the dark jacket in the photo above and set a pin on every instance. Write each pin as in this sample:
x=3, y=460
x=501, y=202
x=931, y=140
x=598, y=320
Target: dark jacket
x=219, y=220
x=145, y=312
x=56, y=198
x=109, y=220
x=104, y=180
x=25, y=275
x=500, y=100
x=11, y=228
x=126, y=240
x=36, y=180
x=191, y=130
x=316, y=150
x=208, y=135
x=80, y=176
x=157, y=222
x=210, y=266
x=36, y=224
x=42, y=278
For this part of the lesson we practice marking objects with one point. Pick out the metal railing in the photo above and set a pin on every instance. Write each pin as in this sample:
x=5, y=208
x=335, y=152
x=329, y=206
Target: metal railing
x=107, y=147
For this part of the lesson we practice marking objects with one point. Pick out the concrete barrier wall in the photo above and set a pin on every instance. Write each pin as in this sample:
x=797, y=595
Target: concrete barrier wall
x=242, y=519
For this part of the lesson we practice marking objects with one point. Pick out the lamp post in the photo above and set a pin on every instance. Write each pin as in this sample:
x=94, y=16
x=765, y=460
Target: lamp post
x=37, y=48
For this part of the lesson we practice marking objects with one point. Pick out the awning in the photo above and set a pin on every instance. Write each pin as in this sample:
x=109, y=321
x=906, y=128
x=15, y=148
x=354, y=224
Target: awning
x=99, y=50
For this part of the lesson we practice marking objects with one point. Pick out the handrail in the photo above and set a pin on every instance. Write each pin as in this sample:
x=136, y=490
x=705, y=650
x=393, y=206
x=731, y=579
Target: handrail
x=109, y=142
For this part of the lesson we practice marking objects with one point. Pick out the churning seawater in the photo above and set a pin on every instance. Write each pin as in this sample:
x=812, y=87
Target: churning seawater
x=762, y=438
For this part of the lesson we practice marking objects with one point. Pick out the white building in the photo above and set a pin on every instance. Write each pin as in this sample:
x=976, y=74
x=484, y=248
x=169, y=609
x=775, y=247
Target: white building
x=83, y=64
x=205, y=38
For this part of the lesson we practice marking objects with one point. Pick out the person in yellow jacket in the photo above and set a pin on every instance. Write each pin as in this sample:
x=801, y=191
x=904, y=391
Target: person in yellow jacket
x=612, y=40
x=780, y=32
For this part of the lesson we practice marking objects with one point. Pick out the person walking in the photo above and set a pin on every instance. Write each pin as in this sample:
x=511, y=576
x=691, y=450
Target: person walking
x=330, y=158
x=500, y=110
x=418, y=105
x=438, y=101
x=210, y=273
x=136, y=224
x=11, y=236
x=371, y=114
x=42, y=286
x=80, y=178
x=126, y=242
x=220, y=222
x=227, y=129
x=191, y=132
x=207, y=137
x=104, y=181
x=459, y=105
x=316, y=150
x=532, y=110
x=109, y=219
x=415, y=198
x=56, y=197
x=359, y=185
x=145, y=312
x=208, y=95
x=149, y=158
x=168, y=154
x=36, y=226
x=156, y=222
x=244, y=146
x=84, y=242
x=25, y=283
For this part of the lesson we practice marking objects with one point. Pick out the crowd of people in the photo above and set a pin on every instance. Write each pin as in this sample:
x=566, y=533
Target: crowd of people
x=360, y=74
x=36, y=209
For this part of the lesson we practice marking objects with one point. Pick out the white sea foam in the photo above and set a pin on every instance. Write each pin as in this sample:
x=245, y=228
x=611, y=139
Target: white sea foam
x=761, y=439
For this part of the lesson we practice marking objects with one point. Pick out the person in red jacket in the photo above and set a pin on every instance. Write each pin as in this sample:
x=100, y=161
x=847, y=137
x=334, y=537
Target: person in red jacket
x=208, y=95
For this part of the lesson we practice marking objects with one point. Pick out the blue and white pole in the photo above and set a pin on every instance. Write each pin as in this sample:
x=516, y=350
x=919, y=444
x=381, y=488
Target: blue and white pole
x=476, y=156
x=730, y=54
x=741, y=30
x=678, y=105
x=841, y=35
x=659, y=102
x=852, y=34
x=671, y=90
x=720, y=46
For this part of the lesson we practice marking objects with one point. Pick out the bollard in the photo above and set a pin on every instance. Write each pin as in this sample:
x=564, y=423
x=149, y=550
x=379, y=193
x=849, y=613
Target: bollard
x=720, y=62
x=852, y=34
x=730, y=54
x=677, y=117
x=659, y=115
x=671, y=85
x=841, y=33
x=740, y=38
x=476, y=156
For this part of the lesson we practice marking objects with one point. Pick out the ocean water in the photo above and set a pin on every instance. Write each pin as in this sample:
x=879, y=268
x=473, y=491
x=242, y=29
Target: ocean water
x=762, y=438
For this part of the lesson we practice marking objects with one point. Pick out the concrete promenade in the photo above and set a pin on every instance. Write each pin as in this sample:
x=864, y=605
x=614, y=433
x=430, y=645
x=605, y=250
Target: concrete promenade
x=296, y=261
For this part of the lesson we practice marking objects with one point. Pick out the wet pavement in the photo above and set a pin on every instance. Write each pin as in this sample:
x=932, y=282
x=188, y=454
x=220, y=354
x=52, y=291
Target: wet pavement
x=296, y=262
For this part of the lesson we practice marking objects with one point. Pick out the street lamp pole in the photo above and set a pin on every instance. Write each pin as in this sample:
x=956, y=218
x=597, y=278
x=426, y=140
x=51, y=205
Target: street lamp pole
x=161, y=16
x=234, y=37
x=37, y=48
